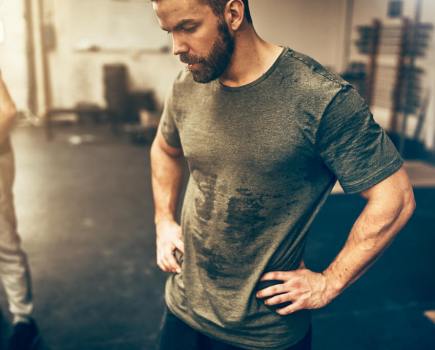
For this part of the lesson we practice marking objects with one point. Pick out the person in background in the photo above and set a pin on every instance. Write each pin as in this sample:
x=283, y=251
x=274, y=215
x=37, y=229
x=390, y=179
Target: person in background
x=14, y=268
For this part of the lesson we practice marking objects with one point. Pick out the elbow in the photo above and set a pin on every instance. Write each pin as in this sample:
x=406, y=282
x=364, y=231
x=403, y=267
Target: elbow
x=408, y=203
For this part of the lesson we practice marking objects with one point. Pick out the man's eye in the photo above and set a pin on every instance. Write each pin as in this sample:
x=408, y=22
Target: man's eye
x=189, y=29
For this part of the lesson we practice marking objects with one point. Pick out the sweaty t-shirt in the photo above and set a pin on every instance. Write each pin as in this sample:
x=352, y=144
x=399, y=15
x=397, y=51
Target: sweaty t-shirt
x=262, y=159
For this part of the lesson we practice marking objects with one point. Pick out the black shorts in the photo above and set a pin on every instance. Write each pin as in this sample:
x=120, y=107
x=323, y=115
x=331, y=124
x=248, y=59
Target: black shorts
x=177, y=335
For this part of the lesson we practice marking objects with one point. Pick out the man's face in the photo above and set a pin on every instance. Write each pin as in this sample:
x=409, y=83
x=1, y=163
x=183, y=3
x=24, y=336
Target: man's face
x=200, y=38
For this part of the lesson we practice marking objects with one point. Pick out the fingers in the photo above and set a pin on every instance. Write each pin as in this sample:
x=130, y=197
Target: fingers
x=282, y=298
x=280, y=293
x=169, y=240
x=273, y=290
x=303, y=288
x=172, y=263
x=289, y=291
x=291, y=281
x=277, y=276
x=296, y=306
x=167, y=262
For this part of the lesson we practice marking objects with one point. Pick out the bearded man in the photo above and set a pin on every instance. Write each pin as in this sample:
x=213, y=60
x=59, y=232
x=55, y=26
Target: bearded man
x=266, y=132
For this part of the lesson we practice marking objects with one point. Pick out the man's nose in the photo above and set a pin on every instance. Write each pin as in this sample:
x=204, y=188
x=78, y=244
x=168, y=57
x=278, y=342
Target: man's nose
x=178, y=45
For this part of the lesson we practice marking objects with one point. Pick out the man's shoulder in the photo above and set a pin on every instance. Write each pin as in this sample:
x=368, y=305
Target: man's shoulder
x=305, y=70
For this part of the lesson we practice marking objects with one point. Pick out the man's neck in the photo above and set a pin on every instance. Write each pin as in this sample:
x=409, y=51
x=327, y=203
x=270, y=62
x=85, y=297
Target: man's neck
x=251, y=59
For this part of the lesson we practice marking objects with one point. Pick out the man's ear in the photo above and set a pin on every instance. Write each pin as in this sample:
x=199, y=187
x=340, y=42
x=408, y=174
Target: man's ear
x=234, y=14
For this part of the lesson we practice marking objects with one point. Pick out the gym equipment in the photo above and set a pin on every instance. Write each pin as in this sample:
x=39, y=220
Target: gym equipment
x=395, y=87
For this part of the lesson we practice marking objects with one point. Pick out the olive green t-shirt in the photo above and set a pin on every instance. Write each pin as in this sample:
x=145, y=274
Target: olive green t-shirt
x=262, y=159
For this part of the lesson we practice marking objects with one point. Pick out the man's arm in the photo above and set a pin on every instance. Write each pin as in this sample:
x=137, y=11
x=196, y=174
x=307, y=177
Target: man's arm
x=167, y=173
x=7, y=112
x=389, y=206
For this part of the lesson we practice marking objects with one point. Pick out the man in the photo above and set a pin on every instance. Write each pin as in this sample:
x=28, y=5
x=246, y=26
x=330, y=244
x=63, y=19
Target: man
x=266, y=133
x=14, y=270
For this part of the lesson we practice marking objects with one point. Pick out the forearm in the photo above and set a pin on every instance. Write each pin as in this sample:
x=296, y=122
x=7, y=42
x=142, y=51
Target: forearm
x=7, y=112
x=167, y=174
x=371, y=234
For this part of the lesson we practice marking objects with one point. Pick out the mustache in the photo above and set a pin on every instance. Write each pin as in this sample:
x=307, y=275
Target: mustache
x=185, y=58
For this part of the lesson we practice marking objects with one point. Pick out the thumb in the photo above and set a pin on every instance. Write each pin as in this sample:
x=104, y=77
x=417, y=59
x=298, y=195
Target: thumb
x=179, y=244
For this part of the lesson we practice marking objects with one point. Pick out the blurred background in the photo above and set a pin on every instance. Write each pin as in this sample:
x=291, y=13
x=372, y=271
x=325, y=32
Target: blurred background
x=89, y=78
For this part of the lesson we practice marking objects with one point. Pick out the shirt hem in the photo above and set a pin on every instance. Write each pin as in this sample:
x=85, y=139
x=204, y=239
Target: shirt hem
x=373, y=179
x=230, y=340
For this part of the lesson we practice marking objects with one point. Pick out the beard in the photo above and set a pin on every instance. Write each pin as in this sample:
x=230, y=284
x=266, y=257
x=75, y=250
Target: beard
x=216, y=62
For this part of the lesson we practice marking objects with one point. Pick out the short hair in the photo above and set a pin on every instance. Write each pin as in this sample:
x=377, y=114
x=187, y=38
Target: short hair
x=218, y=7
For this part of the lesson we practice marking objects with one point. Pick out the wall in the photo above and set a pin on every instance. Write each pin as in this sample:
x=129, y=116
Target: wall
x=316, y=28
x=77, y=75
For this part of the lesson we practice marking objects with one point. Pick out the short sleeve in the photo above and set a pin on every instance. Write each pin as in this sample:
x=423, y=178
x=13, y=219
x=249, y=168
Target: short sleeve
x=168, y=126
x=352, y=145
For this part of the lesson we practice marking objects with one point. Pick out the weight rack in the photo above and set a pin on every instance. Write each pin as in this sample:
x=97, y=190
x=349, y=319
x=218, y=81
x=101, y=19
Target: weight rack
x=397, y=84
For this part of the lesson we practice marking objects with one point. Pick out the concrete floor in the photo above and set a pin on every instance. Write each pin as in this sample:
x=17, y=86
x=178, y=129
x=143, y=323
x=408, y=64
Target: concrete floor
x=85, y=217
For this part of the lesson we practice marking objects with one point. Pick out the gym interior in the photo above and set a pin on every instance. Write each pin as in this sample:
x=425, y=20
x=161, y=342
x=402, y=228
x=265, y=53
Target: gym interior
x=89, y=79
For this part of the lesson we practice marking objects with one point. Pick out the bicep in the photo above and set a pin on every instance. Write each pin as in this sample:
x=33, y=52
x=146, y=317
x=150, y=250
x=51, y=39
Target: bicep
x=160, y=144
